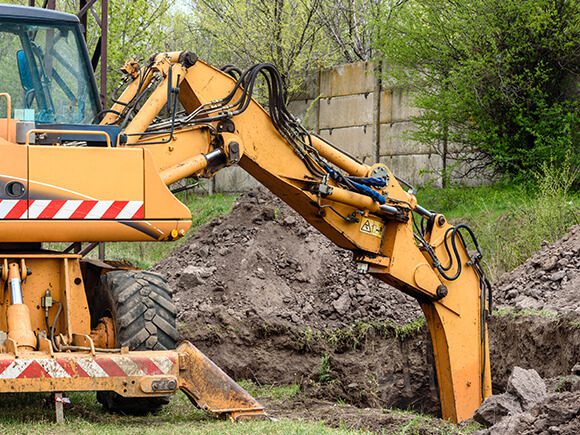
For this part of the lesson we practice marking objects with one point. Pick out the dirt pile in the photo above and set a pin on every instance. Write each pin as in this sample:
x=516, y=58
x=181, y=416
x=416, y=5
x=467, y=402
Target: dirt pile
x=264, y=264
x=267, y=298
x=549, y=280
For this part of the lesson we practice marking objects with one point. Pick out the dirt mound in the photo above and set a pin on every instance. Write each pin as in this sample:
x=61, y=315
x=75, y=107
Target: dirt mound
x=263, y=263
x=549, y=280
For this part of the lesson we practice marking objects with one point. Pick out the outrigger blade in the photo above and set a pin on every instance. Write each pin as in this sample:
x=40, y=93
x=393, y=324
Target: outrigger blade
x=210, y=389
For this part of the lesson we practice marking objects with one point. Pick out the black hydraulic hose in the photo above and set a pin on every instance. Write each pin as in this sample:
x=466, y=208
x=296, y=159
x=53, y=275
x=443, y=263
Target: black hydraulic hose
x=53, y=327
x=454, y=234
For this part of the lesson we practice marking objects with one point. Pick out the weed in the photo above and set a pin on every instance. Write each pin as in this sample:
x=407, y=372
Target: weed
x=410, y=329
x=565, y=383
x=512, y=221
x=324, y=369
x=279, y=392
x=354, y=336
x=306, y=338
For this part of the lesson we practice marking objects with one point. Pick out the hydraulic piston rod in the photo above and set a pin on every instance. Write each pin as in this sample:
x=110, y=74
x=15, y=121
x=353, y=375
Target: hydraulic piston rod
x=19, y=325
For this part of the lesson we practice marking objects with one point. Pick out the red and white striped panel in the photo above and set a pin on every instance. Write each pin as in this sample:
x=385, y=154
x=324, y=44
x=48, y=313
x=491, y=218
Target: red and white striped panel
x=61, y=209
x=99, y=367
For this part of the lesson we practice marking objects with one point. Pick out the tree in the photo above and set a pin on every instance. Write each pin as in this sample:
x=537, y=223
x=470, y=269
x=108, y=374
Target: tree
x=349, y=25
x=137, y=29
x=491, y=75
x=283, y=32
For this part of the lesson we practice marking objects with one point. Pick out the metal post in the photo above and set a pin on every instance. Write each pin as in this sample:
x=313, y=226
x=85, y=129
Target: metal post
x=104, y=33
x=83, y=17
x=377, y=71
x=59, y=407
x=103, y=23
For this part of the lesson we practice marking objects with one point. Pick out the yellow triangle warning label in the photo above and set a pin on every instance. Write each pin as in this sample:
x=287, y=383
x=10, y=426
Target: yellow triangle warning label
x=371, y=227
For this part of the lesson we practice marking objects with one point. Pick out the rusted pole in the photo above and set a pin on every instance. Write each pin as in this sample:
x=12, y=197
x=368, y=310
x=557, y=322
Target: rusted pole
x=83, y=17
x=104, y=47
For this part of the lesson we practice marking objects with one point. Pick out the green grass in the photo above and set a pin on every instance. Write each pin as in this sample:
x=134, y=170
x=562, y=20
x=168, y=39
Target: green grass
x=528, y=312
x=422, y=423
x=354, y=335
x=30, y=414
x=279, y=392
x=510, y=221
x=204, y=208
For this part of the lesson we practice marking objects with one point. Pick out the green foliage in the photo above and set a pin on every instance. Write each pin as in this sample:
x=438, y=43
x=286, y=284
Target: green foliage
x=496, y=75
x=278, y=392
x=283, y=32
x=410, y=329
x=550, y=212
x=511, y=221
x=355, y=335
x=32, y=413
x=348, y=25
x=515, y=313
x=566, y=383
x=419, y=423
x=137, y=30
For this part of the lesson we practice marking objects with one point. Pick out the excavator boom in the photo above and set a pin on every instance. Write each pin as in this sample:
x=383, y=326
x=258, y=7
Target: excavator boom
x=359, y=207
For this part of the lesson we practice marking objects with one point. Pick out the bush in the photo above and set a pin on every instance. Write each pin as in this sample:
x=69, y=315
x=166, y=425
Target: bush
x=512, y=221
x=499, y=76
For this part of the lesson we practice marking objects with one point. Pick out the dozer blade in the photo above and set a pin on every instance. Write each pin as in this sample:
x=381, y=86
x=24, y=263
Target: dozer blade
x=209, y=388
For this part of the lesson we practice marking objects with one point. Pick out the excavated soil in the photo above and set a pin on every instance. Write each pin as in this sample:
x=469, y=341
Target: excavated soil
x=270, y=299
x=549, y=280
x=263, y=263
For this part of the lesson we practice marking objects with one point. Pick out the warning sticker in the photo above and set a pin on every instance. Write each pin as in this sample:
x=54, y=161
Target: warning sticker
x=371, y=227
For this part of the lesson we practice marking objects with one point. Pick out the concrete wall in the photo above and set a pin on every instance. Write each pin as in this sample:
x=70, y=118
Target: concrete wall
x=348, y=106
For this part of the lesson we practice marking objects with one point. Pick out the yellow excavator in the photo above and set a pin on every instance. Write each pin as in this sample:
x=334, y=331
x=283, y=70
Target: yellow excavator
x=74, y=172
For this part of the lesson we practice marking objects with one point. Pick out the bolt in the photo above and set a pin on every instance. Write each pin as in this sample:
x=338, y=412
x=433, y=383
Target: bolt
x=441, y=291
x=441, y=220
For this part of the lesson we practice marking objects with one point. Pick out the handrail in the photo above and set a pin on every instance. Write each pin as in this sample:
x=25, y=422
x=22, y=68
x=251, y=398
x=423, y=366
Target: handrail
x=82, y=132
x=8, y=105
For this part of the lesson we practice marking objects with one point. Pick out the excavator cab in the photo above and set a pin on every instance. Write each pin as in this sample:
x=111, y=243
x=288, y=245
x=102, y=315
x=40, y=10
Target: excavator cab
x=47, y=79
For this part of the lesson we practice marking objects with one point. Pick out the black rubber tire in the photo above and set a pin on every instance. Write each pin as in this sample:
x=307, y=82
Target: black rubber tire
x=144, y=315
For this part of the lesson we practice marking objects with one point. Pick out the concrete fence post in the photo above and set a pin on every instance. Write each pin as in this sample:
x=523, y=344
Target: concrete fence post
x=377, y=72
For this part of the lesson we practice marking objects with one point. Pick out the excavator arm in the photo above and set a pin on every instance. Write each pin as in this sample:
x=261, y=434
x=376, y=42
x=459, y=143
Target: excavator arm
x=362, y=208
